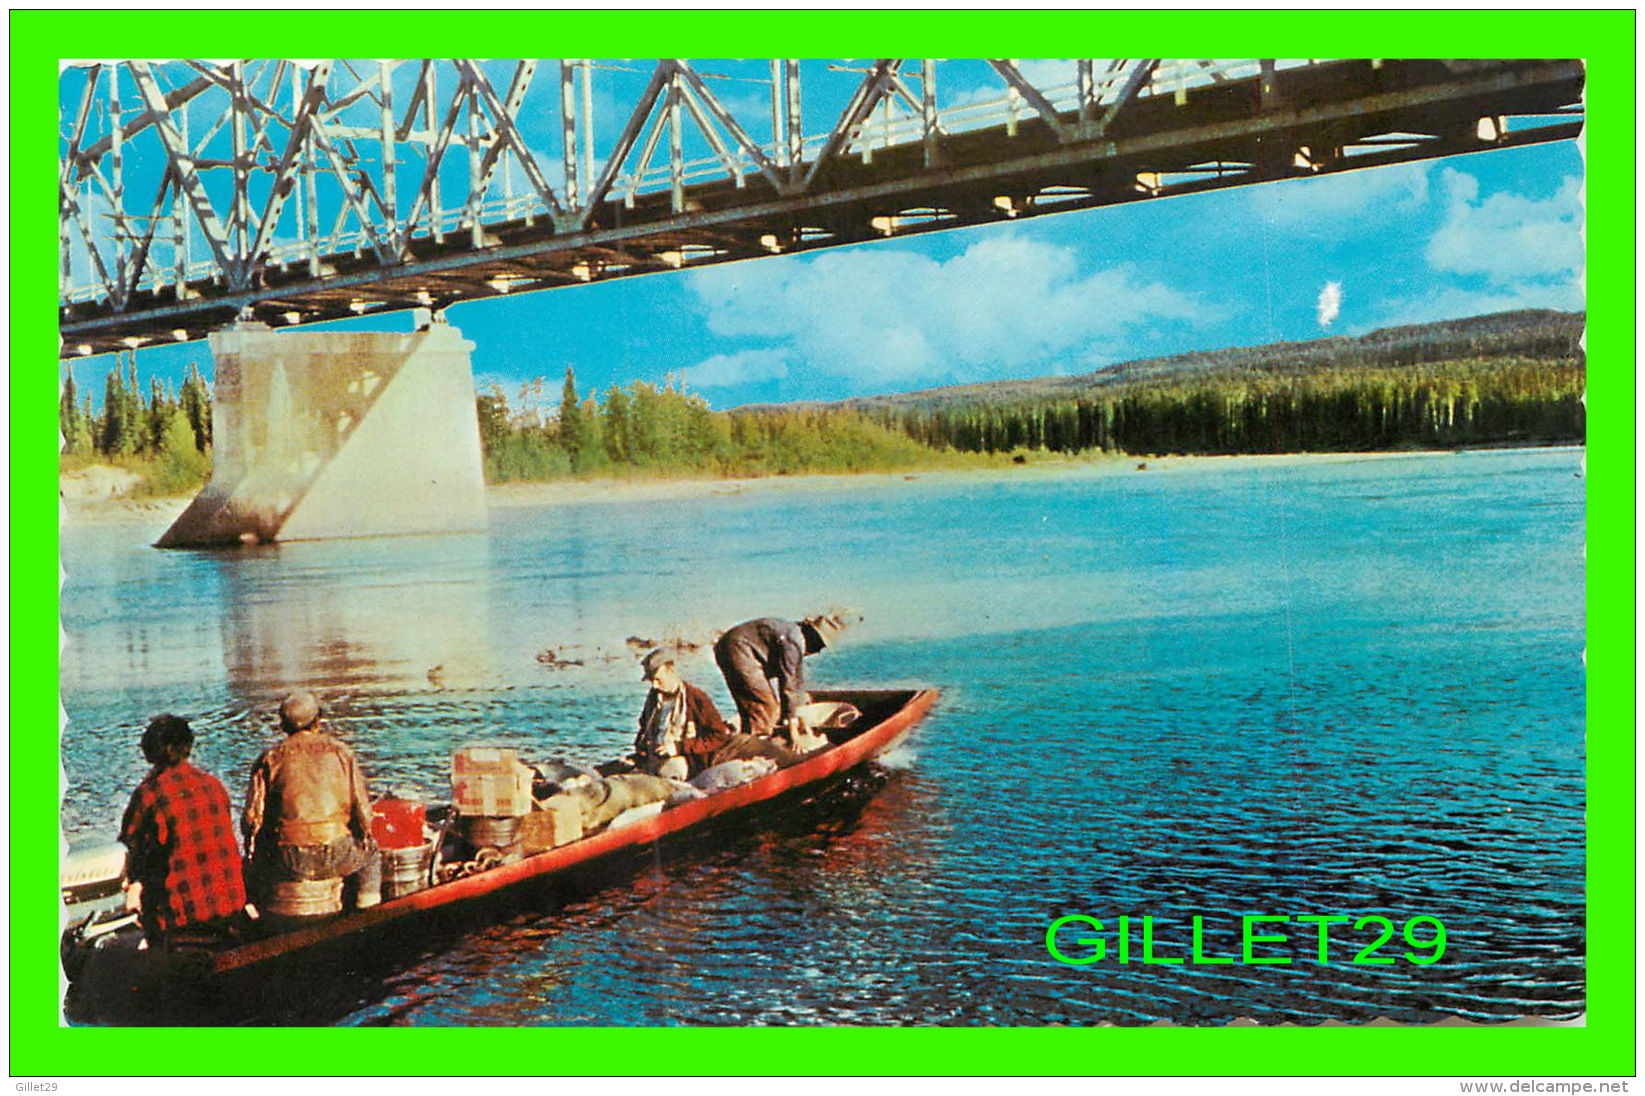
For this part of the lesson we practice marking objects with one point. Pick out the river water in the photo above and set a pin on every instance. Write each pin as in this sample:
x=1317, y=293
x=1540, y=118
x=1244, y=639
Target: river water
x=1214, y=688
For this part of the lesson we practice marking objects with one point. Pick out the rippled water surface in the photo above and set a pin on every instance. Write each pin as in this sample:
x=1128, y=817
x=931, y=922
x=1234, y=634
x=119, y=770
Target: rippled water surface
x=1214, y=689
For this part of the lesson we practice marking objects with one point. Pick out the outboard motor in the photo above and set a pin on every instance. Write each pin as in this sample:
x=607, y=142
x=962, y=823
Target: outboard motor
x=97, y=930
x=93, y=872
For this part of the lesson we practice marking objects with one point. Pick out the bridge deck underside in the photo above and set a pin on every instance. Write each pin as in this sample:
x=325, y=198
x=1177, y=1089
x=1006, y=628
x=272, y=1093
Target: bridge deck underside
x=1316, y=121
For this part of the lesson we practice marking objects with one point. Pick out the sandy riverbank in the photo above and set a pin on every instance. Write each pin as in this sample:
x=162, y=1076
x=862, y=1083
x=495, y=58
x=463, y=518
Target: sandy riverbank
x=101, y=494
x=579, y=492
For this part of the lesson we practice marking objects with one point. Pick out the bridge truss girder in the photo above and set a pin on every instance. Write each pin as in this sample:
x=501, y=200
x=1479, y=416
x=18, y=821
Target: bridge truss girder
x=297, y=195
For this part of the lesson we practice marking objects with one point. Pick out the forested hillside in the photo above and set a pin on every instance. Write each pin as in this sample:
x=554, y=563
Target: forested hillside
x=1510, y=378
x=1538, y=335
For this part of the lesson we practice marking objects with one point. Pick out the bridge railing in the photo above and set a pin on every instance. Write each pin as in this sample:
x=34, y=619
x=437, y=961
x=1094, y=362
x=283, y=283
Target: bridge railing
x=903, y=128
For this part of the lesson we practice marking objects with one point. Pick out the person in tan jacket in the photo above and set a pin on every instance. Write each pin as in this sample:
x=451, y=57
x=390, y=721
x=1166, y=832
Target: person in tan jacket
x=308, y=813
x=757, y=654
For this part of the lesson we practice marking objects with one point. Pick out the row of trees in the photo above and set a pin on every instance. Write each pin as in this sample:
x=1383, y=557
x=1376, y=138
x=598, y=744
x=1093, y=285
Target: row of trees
x=665, y=429
x=1435, y=405
x=129, y=423
x=167, y=433
x=651, y=429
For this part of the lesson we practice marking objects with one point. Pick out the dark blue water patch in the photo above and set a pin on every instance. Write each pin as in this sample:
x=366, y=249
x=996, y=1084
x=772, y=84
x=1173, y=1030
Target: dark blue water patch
x=1179, y=794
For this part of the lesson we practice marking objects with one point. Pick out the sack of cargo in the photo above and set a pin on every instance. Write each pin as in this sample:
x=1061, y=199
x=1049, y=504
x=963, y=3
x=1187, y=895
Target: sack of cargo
x=826, y=715
x=490, y=781
x=729, y=774
x=600, y=803
x=636, y=814
x=681, y=792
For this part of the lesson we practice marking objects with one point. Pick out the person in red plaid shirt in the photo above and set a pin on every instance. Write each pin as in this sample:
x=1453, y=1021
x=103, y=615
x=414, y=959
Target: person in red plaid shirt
x=182, y=862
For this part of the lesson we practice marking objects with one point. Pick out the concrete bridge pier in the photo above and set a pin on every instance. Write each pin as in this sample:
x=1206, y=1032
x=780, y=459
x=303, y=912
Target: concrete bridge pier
x=318, y=435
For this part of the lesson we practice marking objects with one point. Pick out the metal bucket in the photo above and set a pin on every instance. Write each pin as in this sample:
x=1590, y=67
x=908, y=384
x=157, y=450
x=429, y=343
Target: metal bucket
x=485, y=831
x=304, y=898
x=406, y=870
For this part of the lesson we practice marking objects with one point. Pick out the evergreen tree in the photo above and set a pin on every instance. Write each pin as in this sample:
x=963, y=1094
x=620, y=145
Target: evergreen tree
x=156, y=414
x=571, y=418
x=118, y=436
x=616, y=430
x=68, y=414
x=195, y=401
x=132, y=405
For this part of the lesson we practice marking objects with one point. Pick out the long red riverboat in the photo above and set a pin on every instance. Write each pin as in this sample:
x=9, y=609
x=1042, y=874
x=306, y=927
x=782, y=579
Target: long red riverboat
x=113, y=979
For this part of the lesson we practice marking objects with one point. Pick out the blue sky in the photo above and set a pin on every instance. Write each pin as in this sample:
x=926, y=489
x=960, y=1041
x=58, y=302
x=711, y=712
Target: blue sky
x=1066, y=293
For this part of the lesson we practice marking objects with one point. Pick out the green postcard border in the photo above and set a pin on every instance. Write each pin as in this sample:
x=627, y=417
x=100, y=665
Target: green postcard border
x=1604, y=1046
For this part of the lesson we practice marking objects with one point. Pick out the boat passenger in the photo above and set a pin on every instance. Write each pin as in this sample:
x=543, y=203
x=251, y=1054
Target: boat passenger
x=308, y=813
x=682, y=732
x=183, y=868
x=758, y=654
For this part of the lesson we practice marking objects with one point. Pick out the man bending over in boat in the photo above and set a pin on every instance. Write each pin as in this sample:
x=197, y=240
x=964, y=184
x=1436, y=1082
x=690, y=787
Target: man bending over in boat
x=682, y=733
x=308, y=814
x=184, y=868
x=756, y=654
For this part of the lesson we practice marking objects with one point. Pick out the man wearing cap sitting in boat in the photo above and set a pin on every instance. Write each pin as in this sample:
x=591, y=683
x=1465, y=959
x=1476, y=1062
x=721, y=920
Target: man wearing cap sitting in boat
x=682, y=732
x=756, y=654
x=184, y=869
x=308, y=814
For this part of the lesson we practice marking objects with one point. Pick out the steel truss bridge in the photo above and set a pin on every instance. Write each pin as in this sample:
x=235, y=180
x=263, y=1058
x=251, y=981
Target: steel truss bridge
x=195, y=192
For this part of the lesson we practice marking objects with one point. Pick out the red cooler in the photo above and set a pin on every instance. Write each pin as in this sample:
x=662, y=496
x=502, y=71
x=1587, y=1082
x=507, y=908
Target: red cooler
x=397, y=823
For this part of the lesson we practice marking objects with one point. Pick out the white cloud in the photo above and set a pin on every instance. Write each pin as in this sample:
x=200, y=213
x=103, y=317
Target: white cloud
x=1007, y=306
x=1507, y=237
x=1503, y=252
x=1047, y=73
x=741, y=367
x=1330, y=303
x=751, y=108
x=1344, y=196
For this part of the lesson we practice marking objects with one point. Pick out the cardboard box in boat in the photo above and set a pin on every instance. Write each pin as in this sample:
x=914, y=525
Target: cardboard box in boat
x=558, y=820
x=490, y=781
